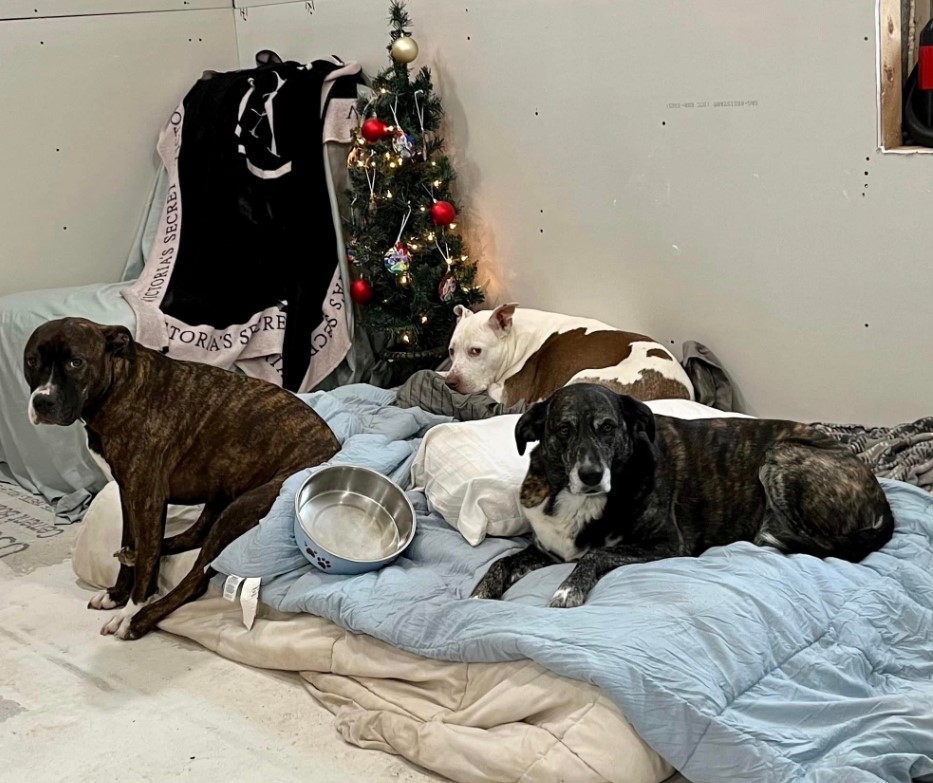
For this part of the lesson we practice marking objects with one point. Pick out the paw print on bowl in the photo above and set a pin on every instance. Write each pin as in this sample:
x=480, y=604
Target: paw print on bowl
x=323, y=562
x=310, y=551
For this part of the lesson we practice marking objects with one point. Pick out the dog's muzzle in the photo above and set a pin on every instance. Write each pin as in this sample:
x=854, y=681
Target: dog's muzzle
x=589, y=479
x=46, y=408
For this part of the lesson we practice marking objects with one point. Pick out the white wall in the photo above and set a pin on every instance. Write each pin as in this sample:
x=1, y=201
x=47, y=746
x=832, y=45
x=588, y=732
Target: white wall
x=749, y=228
x=754, y=229
x=84, y=98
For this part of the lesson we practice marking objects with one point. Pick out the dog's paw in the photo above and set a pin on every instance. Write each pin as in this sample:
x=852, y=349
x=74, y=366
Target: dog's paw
x=117, y=626
x=567, y=598
x=486, y=589
x=122, y=624
x=104, y=601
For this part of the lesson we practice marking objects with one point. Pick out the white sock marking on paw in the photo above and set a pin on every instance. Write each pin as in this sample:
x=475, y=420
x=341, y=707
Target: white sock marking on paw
x=119, y=624
x=102, y=600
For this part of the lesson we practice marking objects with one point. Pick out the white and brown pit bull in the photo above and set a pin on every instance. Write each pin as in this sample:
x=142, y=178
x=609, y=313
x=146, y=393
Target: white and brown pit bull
x=516, y=354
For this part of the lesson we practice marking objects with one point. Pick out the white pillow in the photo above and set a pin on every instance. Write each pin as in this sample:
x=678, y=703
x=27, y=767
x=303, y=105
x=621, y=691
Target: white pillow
x=471, y=471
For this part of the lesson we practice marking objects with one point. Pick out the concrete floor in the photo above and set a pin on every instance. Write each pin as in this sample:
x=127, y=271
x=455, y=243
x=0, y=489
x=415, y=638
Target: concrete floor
x=75, y=706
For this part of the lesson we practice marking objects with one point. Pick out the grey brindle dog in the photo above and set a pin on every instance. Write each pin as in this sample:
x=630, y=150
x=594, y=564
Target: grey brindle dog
x=612, y=484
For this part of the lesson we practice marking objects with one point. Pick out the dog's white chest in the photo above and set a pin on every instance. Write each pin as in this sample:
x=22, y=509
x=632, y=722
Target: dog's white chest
x=557, y=532
x=99, y=460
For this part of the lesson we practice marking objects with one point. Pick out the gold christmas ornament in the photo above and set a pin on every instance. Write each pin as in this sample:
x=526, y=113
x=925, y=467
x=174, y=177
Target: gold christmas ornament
x=404, y=50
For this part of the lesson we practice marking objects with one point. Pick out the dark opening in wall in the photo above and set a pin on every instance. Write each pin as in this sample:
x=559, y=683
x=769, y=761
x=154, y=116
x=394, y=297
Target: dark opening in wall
x=900, y=23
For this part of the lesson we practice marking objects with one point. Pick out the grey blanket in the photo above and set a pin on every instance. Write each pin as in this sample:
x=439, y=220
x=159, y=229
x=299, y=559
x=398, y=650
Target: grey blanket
x=903, y=452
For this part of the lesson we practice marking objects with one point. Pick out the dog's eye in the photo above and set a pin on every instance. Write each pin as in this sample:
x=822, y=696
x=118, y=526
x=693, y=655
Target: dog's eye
x=31, y=362
x=563, y=430
x=474, y=352
x=607, y=427
x=76, y=363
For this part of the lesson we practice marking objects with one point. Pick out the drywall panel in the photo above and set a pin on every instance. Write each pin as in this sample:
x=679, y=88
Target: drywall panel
x=697, y=171
x=34, y=9
x=85, y=99
x=254, y=3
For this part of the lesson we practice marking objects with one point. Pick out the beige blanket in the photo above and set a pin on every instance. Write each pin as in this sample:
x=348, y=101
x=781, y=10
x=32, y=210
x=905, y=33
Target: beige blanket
x=469, y=722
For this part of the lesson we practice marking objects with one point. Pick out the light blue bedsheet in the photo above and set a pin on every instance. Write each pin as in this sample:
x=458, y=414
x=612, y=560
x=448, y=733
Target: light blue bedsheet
x=740, y=665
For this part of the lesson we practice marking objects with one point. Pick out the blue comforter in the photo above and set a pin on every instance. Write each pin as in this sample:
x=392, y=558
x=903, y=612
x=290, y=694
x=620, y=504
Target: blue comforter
x=740, y=665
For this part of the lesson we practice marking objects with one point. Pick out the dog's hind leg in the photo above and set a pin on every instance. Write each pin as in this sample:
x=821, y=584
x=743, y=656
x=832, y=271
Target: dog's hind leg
x=506, y=571
x=241, y=515
x=193, y=537
x=822, y=501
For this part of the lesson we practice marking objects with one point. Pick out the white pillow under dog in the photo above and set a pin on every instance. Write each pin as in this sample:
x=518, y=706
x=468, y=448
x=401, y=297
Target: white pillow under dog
x=471, y=471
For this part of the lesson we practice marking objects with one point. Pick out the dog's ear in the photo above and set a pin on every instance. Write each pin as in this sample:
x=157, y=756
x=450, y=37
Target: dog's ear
x=501, y=319
x=119, y=341
x=638, y=417
x=530, y=426
x=462, y=312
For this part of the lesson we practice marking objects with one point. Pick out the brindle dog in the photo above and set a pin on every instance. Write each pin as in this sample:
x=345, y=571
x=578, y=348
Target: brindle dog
x=170, y=432
x=611, y=484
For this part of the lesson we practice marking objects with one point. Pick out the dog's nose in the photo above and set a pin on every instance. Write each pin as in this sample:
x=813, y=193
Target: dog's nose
x=451, y=382
x=590, y=477
x=43, y=403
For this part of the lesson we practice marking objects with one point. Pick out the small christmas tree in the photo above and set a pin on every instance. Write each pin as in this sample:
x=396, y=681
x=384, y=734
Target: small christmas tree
x=407, y=255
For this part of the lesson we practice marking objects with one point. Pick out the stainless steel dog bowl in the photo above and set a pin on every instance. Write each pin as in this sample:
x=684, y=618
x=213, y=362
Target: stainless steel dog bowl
x=349, y=520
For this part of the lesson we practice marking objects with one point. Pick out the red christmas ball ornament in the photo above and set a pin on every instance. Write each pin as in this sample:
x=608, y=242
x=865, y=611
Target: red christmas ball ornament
x=443, y=213
x=374, y=130
x=361, y=291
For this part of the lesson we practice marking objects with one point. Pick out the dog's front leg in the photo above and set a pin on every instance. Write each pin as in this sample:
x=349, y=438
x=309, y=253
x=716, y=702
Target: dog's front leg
x=506, y=571
x=144, y=512
x=119, y=594
x=595, y=564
